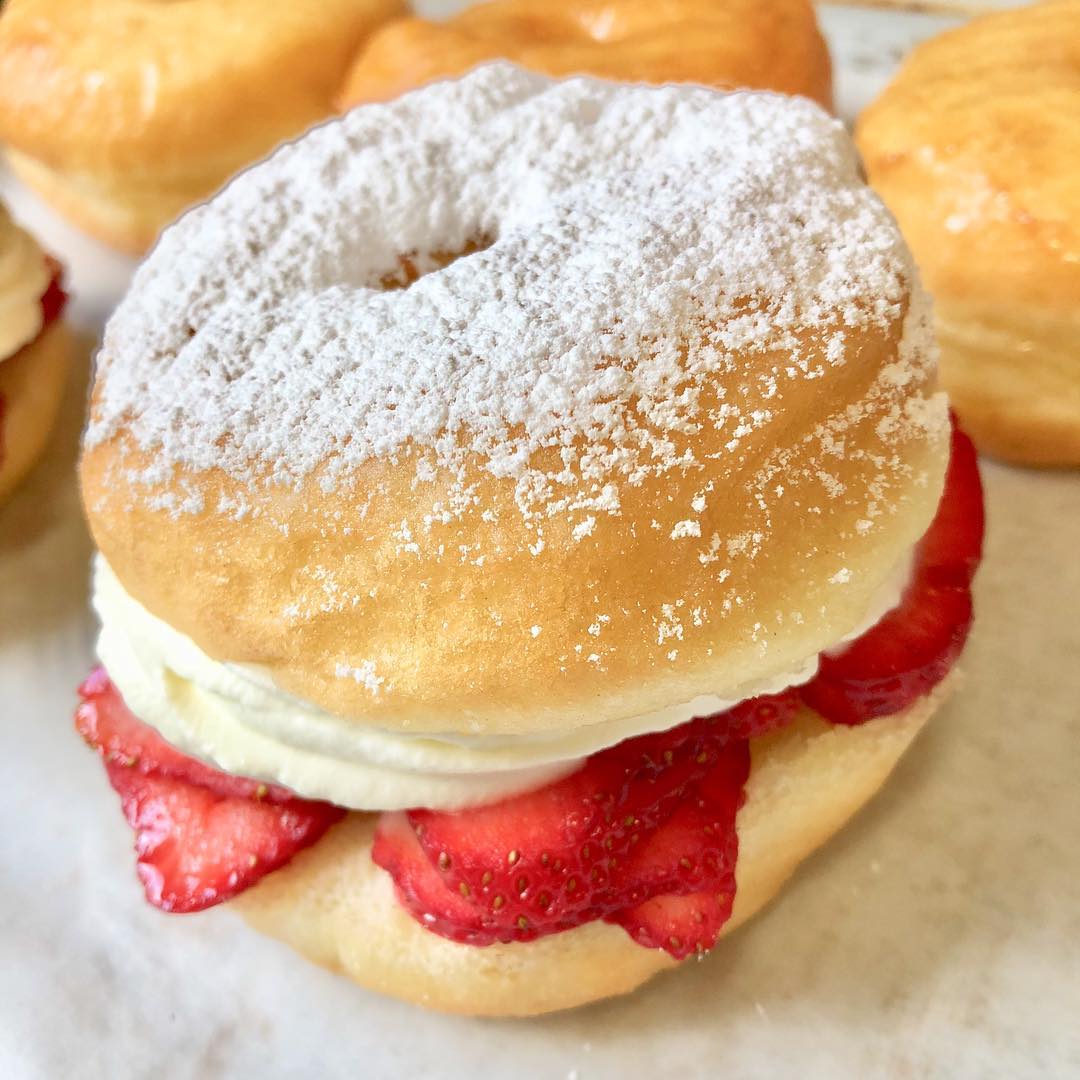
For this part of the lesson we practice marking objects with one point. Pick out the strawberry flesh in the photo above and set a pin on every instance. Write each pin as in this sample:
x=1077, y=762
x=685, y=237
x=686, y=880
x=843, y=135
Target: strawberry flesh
x=682, y=878
x=905, y=655
x=201, y=836
x=680, y=924
x=422, y=890
x=697, y=846
x=54, y=299
x=562, y=855
x=653, y=815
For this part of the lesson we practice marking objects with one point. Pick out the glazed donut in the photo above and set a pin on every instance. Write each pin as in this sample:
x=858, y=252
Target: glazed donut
x=762, y=44
x=467, y=444
x=34, y=351
x=975, y=147
x=123, y=113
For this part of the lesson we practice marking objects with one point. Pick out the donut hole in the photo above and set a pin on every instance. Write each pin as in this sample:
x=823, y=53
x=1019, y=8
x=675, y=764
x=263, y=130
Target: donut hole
x=414, y=265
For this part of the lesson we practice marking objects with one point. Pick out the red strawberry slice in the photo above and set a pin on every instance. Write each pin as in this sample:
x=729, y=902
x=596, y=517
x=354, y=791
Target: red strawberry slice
x=681, y=925
x=54, y=299
x=107, y=724
x=902, y=659
x=760, y=715
x=197, y=848
x=697, y=846
x=578, y=860
x=550, y=855
x=951, y=549
x=423, y=892
x=202, y=836
x=547, y=856
x=682, y=879
x=913, y=647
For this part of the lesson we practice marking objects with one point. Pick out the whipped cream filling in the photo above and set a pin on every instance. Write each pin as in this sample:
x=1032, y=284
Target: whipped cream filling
x=234, y=717
x=24, y=277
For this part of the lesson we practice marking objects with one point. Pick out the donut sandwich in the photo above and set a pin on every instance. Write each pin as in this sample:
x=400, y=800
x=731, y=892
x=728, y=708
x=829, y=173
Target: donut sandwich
x=528, y=525
x=34, y=350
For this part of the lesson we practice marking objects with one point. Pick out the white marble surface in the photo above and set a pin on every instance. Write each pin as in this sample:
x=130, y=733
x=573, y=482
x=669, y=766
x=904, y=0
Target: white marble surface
x=938, y=936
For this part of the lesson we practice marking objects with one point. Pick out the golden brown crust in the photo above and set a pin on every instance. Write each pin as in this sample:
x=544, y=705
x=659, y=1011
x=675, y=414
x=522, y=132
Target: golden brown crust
x=1014, y=378
x=149, y=107
x=338, y=909
x=127, y=219
x=453, y=637
x=31, y=386
x=762, y=44
x=975, y=147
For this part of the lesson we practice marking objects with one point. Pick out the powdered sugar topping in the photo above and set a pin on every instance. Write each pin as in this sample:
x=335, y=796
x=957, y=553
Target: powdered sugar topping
x=623, y=246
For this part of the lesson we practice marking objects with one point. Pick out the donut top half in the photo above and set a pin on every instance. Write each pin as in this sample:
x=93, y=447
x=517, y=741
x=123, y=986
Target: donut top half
x=541, y=403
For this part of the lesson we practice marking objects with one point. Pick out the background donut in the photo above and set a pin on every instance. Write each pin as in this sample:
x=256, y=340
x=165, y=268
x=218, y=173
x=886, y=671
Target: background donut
x=761, y=44
x=975, y=146
x=122, y=115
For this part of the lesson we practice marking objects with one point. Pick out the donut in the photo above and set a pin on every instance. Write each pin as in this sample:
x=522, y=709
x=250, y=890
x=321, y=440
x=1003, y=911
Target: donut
x=34, y=350
x=762, y=44
x=471, y=481
x=975, y=146
x=122, y=115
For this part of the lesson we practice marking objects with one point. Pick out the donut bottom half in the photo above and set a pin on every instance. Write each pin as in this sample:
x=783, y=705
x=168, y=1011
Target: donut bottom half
x=338, y=909
x=31, y=388
x=1013, y=376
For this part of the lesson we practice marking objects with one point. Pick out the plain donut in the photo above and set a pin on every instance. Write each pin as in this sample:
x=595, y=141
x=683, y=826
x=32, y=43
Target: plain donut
x=123, y=114
x=975, y=146
x=758, y=44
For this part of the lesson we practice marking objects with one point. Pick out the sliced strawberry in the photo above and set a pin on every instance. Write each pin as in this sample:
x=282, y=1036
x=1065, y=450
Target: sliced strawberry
x=651, y=815
x=680, y=925
x=202, y=836
x=423, y=892
x=54, y=299
x=913, y=647
x=547, y=856
x=951, y=549
x=760, y=715
x=902, y=659
x=681, y=881
x=107, y=724
x=197, y=848
x=542, y=858
x=696, y=847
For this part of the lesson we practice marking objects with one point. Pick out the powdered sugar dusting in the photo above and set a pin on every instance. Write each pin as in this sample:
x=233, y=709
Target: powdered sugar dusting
x=626, y=246
x=364, y=675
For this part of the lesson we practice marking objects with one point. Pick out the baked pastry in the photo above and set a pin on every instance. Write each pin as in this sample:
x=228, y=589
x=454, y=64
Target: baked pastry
x=440, y=481
x=975, y=146
x=761, y=44
x=123, y=115
x=34, y=350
